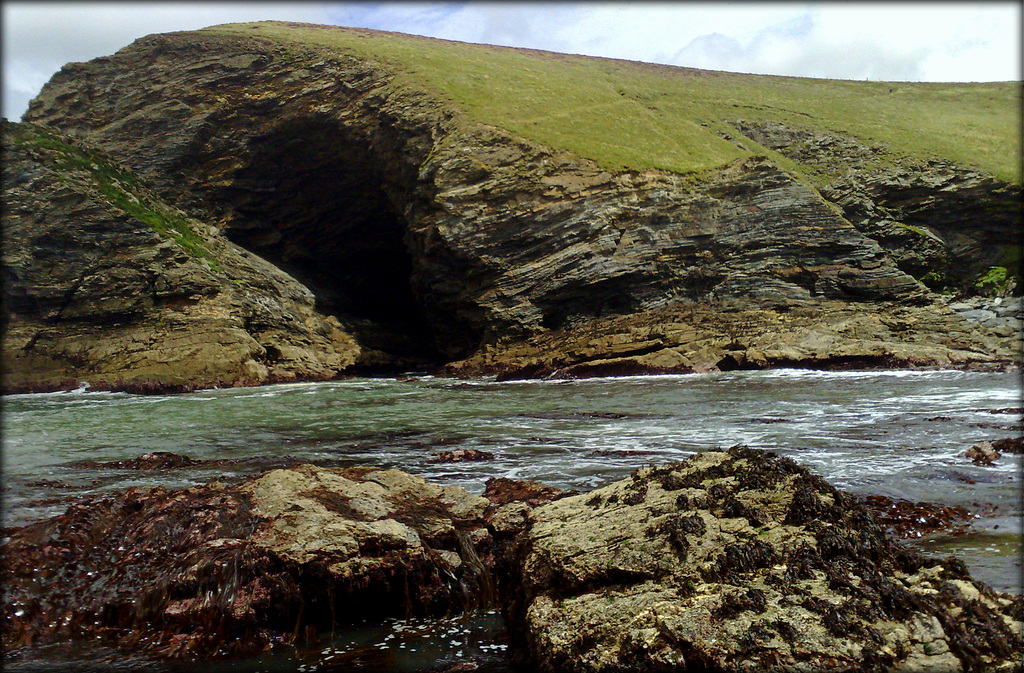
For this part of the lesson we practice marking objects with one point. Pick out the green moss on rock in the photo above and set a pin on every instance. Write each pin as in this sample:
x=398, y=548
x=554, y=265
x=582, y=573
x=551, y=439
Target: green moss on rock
x=117, y=186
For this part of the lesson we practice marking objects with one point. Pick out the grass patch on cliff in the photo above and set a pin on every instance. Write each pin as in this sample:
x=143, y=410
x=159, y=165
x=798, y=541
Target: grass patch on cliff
x=118, y=187
x=626, y=114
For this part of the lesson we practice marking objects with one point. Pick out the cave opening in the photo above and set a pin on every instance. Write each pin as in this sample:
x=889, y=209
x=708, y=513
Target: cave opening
x=313, y=201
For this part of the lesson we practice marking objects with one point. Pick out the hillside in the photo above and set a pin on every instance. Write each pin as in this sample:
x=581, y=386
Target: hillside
x=632, y=115
x=480, y=210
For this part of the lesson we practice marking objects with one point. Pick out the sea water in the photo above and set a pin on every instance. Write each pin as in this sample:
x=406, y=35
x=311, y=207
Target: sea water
x=901, y=434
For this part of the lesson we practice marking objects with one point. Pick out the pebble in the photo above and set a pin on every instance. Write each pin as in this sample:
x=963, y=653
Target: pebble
x=978, y=314
x=1002, y=314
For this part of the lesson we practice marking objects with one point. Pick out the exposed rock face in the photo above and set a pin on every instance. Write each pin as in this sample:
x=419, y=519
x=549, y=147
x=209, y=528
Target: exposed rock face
x=93, y=293
x=942, y=223
x=215, y=570
x=431, y=237
x=1003, y=315
x=833, y=335
x=741, y=561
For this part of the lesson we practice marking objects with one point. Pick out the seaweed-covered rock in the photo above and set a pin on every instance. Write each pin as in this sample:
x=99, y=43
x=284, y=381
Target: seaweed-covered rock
x=912, y=520
x=217, y=569
x=739, y=561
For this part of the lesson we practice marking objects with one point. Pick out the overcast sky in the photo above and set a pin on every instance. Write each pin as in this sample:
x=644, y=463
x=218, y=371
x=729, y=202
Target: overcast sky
x=920, y=41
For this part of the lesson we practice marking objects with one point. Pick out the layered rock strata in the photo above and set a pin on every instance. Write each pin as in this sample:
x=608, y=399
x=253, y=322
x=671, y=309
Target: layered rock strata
x=434, y=238
x=104, y=283
x=944, y=224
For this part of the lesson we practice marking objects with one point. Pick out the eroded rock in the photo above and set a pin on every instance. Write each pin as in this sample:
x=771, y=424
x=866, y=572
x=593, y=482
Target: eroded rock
x=107, y=284
x=925, y=213
x=742, y=560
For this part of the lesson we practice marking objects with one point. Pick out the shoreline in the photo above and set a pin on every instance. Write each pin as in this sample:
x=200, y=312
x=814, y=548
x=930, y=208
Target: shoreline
x=552, y=374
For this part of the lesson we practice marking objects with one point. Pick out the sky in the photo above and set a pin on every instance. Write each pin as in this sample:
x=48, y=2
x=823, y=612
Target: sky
x=917, y=41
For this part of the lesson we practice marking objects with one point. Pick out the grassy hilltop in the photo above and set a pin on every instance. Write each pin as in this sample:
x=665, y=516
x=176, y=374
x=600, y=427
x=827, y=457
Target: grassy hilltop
x=626, y=114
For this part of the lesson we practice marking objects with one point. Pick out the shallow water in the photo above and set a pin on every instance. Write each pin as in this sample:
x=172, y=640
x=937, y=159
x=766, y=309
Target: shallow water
x=901, y=434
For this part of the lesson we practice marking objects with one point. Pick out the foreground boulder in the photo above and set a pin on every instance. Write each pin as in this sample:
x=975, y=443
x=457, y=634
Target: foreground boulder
x=215, y=569
x=742, y=561
x=730, y=561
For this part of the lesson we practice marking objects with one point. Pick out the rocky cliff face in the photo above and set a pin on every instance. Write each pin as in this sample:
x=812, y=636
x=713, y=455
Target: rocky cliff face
x=106, y=284
x=943, y=224
x=431, y=238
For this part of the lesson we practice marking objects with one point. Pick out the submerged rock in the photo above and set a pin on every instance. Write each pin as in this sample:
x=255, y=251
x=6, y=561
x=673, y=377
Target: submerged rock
x=156, y=460
x=742, y=561
x=1009, y=445
x=982, y=453
x=461, y=456
x=912, y=520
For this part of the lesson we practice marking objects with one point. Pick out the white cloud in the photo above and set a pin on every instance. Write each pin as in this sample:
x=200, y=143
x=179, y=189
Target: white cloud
x=918, y=42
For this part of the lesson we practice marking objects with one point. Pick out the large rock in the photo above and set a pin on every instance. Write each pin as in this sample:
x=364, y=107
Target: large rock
x=429, y=234
x=730, y=561
x=216, y=570
x=105, y=283
x=743, y=561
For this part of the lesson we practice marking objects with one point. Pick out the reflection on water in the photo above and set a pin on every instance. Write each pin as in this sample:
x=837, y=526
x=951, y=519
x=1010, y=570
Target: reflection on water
x=901, y=434
x=395, y=646
x=995, y=558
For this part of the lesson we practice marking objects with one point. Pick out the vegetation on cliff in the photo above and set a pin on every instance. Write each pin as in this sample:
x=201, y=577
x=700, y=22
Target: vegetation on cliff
x=631, y=115
x=105, y=282
x=117, y=185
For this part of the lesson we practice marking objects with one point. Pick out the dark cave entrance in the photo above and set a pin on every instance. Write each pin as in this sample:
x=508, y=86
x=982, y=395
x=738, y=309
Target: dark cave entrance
x=312, y=201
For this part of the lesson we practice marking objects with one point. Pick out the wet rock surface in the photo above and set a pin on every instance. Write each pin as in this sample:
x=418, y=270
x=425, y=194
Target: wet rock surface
x=982, y=453
x=741, y=560
x=913, y=520
x=701, y=338
x=1009, y=445
x=461, y=456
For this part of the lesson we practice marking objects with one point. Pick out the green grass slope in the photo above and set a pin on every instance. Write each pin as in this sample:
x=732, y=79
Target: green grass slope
x=626, y=114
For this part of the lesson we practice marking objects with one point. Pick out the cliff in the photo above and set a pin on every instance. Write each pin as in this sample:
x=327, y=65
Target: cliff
x=368, y=202
x=105, y=283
